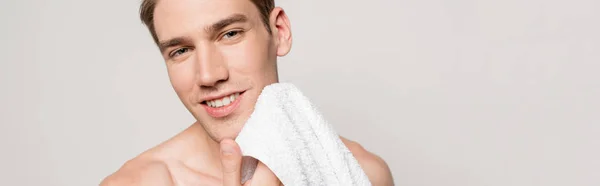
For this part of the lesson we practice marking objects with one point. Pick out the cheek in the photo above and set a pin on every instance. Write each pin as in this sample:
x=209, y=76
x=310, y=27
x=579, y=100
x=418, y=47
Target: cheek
x=248, y=56
x=182, y=78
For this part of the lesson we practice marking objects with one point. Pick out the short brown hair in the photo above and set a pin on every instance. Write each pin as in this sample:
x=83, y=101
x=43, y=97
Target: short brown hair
x=147, y=13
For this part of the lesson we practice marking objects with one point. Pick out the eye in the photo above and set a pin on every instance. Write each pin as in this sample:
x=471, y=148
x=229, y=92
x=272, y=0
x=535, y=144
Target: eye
x=178, y=52
x=231, y=34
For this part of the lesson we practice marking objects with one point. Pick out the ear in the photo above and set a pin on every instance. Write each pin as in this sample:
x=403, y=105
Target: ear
x=281, y=31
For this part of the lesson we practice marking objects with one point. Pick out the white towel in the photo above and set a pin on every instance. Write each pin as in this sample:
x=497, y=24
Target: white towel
x=287, y=134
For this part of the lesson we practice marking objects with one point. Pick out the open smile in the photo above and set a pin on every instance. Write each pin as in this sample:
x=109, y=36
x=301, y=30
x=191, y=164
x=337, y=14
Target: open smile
x=223, y=106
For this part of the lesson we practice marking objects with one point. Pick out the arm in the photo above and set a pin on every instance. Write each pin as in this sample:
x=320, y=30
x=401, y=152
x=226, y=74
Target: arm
x=376, y=169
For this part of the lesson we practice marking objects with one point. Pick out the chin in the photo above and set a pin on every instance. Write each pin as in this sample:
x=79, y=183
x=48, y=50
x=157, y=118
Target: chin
x=221, y=135
x=224, y=129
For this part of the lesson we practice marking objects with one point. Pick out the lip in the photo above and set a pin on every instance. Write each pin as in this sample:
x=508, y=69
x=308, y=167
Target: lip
x=219, y=96
x=224, y=110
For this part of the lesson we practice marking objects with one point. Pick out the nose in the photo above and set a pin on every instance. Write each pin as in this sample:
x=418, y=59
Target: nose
x=211, y=67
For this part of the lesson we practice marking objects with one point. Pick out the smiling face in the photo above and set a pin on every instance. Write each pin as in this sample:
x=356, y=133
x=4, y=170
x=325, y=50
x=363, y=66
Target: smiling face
x=219, y=56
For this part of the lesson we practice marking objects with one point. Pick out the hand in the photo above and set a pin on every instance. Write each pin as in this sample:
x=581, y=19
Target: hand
x=231, y=160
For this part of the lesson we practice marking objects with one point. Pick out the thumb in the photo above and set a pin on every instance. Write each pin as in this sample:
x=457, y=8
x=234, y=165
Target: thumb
x=231, y=160
x=248, y=183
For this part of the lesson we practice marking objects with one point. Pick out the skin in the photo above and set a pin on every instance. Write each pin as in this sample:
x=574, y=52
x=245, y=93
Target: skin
x=213, y=48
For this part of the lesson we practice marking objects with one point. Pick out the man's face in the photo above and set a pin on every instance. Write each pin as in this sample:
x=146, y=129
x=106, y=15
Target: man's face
x=219, y=57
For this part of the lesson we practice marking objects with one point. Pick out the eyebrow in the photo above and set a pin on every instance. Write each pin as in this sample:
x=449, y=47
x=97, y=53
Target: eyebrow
x=219, y=25
x=173, y=42
x=211, y=30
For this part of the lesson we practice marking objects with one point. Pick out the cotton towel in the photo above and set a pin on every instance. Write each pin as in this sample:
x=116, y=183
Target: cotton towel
x=287, y=134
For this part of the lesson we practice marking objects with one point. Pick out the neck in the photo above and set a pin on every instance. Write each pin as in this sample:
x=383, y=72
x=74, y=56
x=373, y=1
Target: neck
x=200, y=152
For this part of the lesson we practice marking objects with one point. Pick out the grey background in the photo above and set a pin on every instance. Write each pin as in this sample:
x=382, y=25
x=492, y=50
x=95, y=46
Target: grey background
x=460, y=92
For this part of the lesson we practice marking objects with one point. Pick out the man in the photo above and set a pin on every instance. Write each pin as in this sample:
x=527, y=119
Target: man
x=219, y=55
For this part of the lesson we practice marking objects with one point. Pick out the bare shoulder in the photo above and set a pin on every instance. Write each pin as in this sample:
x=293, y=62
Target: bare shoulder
x=140, y=171
x=376, y=169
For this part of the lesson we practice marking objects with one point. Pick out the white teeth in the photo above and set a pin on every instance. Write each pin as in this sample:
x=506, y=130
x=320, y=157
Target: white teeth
x=226, y=101
x=223, y=102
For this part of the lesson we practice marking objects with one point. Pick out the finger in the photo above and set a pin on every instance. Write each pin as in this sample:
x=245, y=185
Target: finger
x=231, y=160
x=248, y=183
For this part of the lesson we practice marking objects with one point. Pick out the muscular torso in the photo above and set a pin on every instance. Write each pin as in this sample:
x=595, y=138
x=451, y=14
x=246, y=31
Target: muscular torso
x=188, y=159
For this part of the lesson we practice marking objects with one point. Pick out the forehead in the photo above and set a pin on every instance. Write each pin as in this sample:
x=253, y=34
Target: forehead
x=173, y=18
